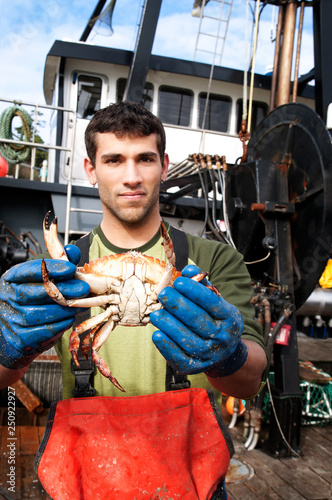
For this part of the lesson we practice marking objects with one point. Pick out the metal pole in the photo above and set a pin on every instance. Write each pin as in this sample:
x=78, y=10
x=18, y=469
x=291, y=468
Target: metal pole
x=140, y=63
x=286, y=56
x=298, y=50
x=276, y=58
x=92, y=20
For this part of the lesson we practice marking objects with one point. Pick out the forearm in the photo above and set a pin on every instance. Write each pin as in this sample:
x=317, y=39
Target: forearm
x=245, y=382
x=9, y=377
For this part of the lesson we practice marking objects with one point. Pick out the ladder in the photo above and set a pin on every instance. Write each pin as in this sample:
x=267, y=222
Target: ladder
x=213, y=24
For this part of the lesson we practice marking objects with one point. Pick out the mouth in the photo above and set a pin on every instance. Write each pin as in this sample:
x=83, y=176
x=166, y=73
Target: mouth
x=132, y=195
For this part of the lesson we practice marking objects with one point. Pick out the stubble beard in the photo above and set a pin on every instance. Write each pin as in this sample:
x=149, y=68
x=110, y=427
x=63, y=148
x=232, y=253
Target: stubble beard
x=133, y=214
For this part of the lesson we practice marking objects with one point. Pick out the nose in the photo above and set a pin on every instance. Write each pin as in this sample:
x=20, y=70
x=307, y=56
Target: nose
x=131, y=174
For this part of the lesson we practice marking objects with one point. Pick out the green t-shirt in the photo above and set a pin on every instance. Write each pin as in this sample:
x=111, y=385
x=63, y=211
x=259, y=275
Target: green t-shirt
x=129, y=351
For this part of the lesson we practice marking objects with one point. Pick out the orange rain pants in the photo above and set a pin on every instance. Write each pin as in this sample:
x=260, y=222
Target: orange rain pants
x=161, y=446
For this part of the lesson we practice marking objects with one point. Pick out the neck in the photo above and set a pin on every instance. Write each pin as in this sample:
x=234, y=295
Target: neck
x=129, y=236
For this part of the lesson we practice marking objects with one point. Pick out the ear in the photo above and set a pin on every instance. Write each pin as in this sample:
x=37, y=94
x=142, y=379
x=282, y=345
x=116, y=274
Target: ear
x=90, y=171
x=165, y=167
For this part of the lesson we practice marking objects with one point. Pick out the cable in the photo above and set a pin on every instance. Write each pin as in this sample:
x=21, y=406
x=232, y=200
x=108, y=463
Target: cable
x=206, y=200
x=226, y=219
x=259, y=260
x=277, y=421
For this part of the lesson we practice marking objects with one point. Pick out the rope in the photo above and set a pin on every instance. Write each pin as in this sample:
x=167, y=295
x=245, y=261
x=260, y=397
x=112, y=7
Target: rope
x=14, y=153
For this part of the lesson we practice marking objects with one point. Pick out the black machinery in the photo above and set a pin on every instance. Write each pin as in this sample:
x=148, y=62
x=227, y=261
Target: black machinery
x=280, y=209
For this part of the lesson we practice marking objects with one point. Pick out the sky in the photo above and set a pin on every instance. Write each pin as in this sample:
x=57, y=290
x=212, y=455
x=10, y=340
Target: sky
x=28, y=29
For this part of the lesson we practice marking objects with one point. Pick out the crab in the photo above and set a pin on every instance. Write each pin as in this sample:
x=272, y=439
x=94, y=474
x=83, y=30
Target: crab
x=125, y=286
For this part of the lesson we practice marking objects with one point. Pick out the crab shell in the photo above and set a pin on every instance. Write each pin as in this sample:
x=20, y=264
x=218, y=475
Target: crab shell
x=131, y=280
x=146, y=268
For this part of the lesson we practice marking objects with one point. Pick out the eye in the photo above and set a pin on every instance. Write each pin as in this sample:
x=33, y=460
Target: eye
x=148, y=159
x=113, y=160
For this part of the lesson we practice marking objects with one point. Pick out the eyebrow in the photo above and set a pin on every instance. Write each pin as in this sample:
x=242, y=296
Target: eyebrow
x=114, y=156
x=107, y=156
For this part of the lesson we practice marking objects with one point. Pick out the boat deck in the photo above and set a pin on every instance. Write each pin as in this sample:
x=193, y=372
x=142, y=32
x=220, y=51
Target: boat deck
x=308, y=477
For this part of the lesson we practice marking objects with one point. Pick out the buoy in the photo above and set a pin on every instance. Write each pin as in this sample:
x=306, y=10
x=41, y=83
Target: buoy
x=3, y=167
x=230, y=406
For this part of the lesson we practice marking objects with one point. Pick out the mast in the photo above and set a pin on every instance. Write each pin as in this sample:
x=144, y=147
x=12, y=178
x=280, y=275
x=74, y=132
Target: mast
x=140, y=63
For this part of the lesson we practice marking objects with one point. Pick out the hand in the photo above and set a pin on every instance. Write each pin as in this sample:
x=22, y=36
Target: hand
x=198, y=331
x=30, y=321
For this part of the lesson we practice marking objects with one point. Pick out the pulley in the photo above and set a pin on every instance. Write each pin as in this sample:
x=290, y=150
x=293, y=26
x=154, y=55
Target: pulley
x=288, y=176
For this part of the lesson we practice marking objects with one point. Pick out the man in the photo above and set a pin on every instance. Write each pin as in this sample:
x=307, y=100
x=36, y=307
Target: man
x=126, y=158
x=215, y=340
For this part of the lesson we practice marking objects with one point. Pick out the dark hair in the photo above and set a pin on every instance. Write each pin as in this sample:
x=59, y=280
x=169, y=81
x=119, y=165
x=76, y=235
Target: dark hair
x=124, y=118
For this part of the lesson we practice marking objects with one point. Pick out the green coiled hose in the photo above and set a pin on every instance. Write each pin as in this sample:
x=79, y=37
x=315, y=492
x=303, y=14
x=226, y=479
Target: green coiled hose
x=14, y=153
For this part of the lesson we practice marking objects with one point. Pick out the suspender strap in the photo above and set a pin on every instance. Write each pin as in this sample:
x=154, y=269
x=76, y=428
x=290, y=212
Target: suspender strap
x=84, y=372
x=84, y=244
x=181, y=250
x=175, y=380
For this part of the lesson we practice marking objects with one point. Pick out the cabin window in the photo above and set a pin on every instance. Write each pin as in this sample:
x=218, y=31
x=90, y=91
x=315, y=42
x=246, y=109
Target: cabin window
x=217, y=114
x=175, y=105
x=147, y=93
x=88, y=96
x=259, y=111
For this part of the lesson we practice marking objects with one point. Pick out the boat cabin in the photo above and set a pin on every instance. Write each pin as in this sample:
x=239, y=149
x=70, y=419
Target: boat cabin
x=85, y=77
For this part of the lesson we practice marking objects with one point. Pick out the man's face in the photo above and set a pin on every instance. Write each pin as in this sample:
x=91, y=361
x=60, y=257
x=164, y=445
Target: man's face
x=128, y=171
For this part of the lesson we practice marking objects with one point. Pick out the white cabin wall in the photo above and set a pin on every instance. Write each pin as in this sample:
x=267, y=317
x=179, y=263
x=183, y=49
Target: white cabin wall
x=105, y=72
x=181, y=141
x=53, y=132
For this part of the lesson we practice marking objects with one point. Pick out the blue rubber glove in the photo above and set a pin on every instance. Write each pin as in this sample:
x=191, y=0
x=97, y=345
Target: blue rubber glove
x=30, y=321
x=198, y=331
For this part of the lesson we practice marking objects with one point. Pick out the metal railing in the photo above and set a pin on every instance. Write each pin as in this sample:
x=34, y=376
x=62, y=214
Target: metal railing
x=37, y=145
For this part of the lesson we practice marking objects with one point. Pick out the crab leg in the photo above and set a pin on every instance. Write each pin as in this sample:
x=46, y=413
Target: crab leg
x=165, y=280
x=170, y=254
x=53, y=244
x=95, y=333
x=167, y=244
x=199, y=277
x=51, y=288
x=86, y=342
x=94, y=322
x=99, y=339
x=56, y=295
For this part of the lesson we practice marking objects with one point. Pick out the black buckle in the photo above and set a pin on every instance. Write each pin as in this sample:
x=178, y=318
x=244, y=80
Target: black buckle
x=175, y=381
x=83, y=378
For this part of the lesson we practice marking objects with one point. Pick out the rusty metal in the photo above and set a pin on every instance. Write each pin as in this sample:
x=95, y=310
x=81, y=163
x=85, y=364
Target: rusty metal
x=276, y=58
x=260, y=207
x=239, y=471
x=244, y=136
x=27, y=398
x=286, y=54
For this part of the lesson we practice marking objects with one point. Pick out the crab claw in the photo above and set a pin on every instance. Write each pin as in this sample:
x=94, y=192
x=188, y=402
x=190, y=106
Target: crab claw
x=51, y=288
x=53, y=244
x=200, y=276
x=167, y=244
